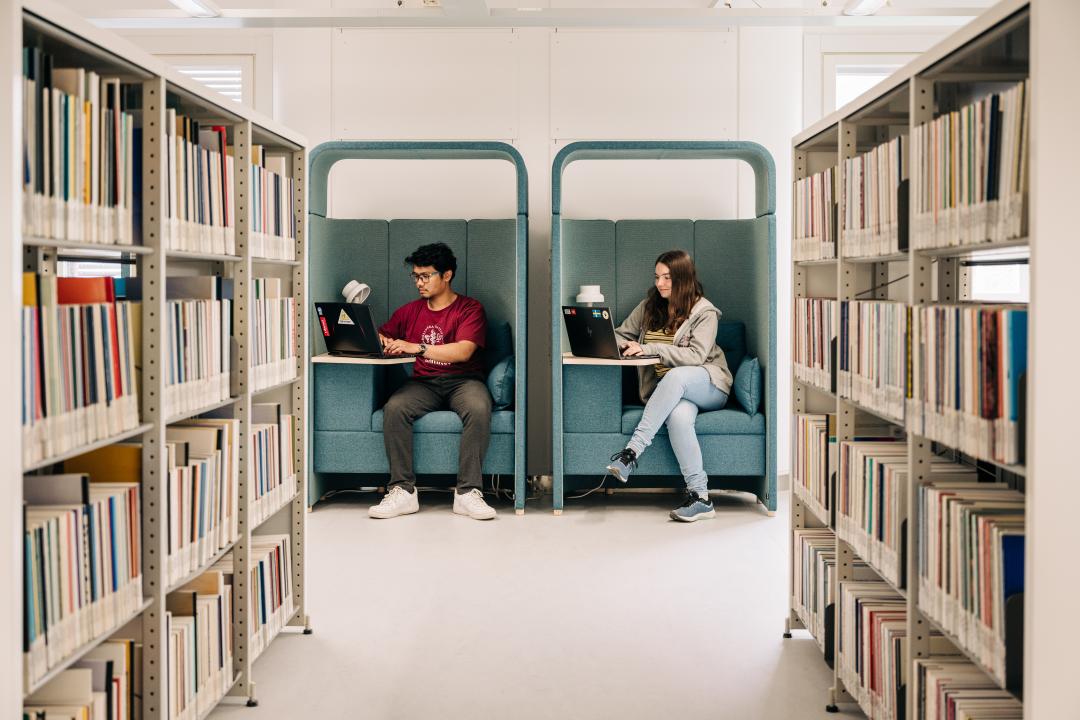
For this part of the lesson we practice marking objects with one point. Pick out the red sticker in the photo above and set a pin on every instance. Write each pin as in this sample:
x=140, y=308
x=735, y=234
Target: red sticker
x=325, y=330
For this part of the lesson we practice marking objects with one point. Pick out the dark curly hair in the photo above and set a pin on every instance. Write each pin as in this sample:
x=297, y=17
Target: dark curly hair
x=437, y=255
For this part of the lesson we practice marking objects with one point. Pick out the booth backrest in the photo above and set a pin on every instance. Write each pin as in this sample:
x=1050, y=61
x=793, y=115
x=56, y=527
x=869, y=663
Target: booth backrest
x=373, y=252
x=732, y=258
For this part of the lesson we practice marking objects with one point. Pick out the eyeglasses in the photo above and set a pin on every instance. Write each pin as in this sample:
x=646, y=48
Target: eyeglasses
x=422, y=277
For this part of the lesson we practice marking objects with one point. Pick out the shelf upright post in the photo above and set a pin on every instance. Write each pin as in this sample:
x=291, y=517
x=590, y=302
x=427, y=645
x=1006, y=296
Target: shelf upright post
x=300, y=392
x=919, y=448
x=152, y=271
x=800, y=171
x=241, y=386
x=846, y=289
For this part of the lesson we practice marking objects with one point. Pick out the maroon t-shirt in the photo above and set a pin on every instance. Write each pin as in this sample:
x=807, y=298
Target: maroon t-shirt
x=462, y=319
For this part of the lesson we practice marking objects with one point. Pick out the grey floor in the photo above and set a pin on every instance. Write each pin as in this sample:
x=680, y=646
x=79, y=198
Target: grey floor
x=609, y=611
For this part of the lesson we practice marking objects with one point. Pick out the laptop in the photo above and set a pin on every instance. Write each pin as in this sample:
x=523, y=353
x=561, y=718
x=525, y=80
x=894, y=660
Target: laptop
x=592, y=334
x=349, y=330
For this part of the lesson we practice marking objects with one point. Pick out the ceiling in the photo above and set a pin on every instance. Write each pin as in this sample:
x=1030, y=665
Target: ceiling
x=526, y=13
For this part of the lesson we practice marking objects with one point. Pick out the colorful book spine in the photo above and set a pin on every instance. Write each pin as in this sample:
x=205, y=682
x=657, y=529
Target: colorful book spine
x=814, y=216
x=273, y=353
x=873, y=355
x=872, y=200
x=814, y=342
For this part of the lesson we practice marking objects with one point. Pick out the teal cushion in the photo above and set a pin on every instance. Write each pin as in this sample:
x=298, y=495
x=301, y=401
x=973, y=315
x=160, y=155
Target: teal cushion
x=500, y=382
x=447, y=421
x=500, y=343
x=747, y=387
x=716, y=422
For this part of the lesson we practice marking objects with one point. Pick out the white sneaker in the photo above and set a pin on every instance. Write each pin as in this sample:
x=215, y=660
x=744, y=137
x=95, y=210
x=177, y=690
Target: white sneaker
x=398, y=501
x=472, y=504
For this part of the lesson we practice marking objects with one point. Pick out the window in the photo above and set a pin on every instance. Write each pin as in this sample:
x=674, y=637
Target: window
x=853, y=80
x=848, y=75
x=998, y=281
x=231, y=75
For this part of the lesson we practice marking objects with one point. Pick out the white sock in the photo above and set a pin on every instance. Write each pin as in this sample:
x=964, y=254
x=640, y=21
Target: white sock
x=704, y=496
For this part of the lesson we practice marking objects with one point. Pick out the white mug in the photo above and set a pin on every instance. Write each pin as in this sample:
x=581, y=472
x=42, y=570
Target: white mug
x=590, y=294
x=355, y=292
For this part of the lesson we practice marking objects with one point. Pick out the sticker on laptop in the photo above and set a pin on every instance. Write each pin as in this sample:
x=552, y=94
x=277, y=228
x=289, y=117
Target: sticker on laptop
x=569, y=311
x=344, y=319
x=596, y=313
x=606, y=316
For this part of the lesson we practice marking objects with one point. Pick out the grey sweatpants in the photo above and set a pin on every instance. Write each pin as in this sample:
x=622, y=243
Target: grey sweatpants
x=465, y=395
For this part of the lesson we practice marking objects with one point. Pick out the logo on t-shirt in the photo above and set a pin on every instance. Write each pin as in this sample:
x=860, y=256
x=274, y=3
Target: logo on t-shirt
x=432, y=335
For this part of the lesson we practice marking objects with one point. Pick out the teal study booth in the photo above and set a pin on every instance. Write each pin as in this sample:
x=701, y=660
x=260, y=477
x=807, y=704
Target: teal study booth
x=595, y=405
x=348, y=394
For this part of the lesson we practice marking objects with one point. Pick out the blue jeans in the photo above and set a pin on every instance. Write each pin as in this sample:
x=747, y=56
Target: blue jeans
x=677, y=398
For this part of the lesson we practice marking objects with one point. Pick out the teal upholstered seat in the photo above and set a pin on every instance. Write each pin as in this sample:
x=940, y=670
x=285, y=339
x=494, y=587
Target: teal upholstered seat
x=446, y=421
x=347, y=399
x=729, y=421
x=595, y=407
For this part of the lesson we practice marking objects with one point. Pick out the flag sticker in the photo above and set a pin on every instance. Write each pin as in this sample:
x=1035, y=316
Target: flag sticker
x=344, y=319
x=596, y=313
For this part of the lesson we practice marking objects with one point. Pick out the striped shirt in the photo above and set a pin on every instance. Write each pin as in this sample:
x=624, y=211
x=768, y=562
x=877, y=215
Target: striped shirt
x=662, y=338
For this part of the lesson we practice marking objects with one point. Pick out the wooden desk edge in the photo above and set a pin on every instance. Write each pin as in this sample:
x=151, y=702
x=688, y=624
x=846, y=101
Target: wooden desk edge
x=346, y=360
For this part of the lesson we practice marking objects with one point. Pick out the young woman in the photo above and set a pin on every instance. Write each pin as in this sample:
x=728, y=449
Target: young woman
x=676, y=323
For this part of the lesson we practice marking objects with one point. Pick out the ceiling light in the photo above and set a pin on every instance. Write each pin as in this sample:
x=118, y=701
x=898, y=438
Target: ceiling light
x=863, y=7
x=198, y=8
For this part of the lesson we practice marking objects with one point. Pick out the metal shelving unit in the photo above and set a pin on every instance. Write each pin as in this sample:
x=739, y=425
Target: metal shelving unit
x=82, y=44
x=932, y=276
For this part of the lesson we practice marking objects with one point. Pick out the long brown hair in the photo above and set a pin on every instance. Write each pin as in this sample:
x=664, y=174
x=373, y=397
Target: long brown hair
x=667, y=315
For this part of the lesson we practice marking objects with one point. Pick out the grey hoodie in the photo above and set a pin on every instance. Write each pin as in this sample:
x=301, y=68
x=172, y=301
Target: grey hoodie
x=694, y=344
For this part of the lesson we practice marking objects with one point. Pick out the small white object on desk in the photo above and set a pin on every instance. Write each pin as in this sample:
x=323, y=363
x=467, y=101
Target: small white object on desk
x=589, y=295
x=571, y=359
x=350, y=360
x=355, y=292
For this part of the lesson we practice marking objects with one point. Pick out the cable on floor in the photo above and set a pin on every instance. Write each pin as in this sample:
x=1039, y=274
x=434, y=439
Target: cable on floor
x=603, y=479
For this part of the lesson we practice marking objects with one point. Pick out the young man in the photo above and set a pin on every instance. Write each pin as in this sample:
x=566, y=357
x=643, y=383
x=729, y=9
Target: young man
x=445, y=331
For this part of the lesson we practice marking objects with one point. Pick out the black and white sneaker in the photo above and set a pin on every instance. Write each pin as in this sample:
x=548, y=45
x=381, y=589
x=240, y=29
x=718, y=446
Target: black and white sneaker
x=622, y=464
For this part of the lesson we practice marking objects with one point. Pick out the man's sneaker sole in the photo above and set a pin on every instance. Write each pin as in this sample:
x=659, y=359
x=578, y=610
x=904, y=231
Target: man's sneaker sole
x=693, y=518
x=466, y=513
x=379, y=516
x=614, y=472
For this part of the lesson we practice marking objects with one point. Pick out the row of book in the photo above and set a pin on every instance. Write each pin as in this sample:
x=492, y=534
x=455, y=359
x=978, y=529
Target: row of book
x=274, y=336
x=82, y=564
x=951, y=688
x=273, y=459
x=872, y=207
x=79, y=359
x=968, y=378
x=270, y=586
x=971, y=563
x=813, y=343
x=813, y=461
x=199, y=627
x=814, y=216
x=815, y=578
x=872, y=362
x=871, y=620
x=273, y=206
x=104, y=684
x=80, y=154
x=871, y=501
x=969, y=172
x=200, y=214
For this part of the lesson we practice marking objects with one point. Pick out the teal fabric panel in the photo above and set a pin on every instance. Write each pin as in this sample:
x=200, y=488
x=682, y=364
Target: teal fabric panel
x=728, y=421
x=447, y=421
x=345, y=395
x=637, y=245
x=500, y=343
x=433, y=453
x=592, y=398
x=344, y=250
x=731, y=337
x=500, y=383
x=406, y=236
x=747, y=386
x=588, y=258
x=491, y=280
x=733, y=265
x=589, y=454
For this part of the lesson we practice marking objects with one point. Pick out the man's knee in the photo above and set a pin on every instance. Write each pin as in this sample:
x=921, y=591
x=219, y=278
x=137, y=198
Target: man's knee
x=475, y=405
x=397, y=409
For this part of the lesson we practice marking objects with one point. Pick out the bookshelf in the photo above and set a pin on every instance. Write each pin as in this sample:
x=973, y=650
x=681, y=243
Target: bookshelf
x=248, y=389
x=861, y=376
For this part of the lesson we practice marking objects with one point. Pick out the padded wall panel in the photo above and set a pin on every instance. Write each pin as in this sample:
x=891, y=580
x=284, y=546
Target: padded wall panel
x=492, y=269
x=733, y=265
x=433, y=453
x=406, y=236
x=588, y=258
x=344, y=250
x=592, y=398
x=638, y=243
x=345, y=395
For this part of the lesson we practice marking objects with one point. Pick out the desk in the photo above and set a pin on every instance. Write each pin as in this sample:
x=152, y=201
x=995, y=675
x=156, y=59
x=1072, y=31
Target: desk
x=571, y=359
x=346, y=360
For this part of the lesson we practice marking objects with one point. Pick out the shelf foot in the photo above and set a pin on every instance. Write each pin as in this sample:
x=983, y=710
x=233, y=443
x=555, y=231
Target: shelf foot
x=558, y=511
x=253, y=703
x=519, y=511
x=832, y=709
x=787, y=636
x=309, y=631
